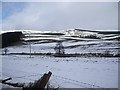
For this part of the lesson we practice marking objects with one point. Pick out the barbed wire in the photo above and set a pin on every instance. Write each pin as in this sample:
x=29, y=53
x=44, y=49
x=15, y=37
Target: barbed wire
x=83, y=84
x=66, y=81
x=90, y=85
x=75, y=82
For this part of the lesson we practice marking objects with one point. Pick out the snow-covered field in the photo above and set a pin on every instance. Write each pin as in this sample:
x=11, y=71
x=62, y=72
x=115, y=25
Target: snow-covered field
x=67, y=72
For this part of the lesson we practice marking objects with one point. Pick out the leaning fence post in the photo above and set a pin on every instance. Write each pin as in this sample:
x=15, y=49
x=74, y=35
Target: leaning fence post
x=41, y=83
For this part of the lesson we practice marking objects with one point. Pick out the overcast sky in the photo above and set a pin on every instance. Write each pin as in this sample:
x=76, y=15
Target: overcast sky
x=59, y=15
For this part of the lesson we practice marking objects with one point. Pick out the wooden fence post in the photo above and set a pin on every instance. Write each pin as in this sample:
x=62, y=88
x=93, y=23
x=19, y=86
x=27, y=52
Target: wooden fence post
x=38, y=85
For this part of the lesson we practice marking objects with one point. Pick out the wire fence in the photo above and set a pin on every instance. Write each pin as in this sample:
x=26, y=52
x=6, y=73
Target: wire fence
x=69, y=80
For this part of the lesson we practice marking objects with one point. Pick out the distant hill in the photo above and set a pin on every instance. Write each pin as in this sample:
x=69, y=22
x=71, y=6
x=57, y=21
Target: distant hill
x=100, y=32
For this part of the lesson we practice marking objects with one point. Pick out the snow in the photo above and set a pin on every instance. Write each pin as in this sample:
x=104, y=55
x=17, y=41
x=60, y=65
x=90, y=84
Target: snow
x=66, y=72
x=69, y=72
x=79, y=47
x=111, y=37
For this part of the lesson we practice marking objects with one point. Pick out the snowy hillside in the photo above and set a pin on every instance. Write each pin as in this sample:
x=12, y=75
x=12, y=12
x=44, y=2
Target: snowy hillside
x=95, y=67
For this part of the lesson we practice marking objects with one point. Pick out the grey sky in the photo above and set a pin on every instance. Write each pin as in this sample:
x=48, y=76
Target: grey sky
x=64, y=15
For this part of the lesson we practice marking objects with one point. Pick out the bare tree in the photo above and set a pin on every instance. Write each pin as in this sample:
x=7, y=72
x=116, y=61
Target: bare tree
x=59, y=48
x=5, y=51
